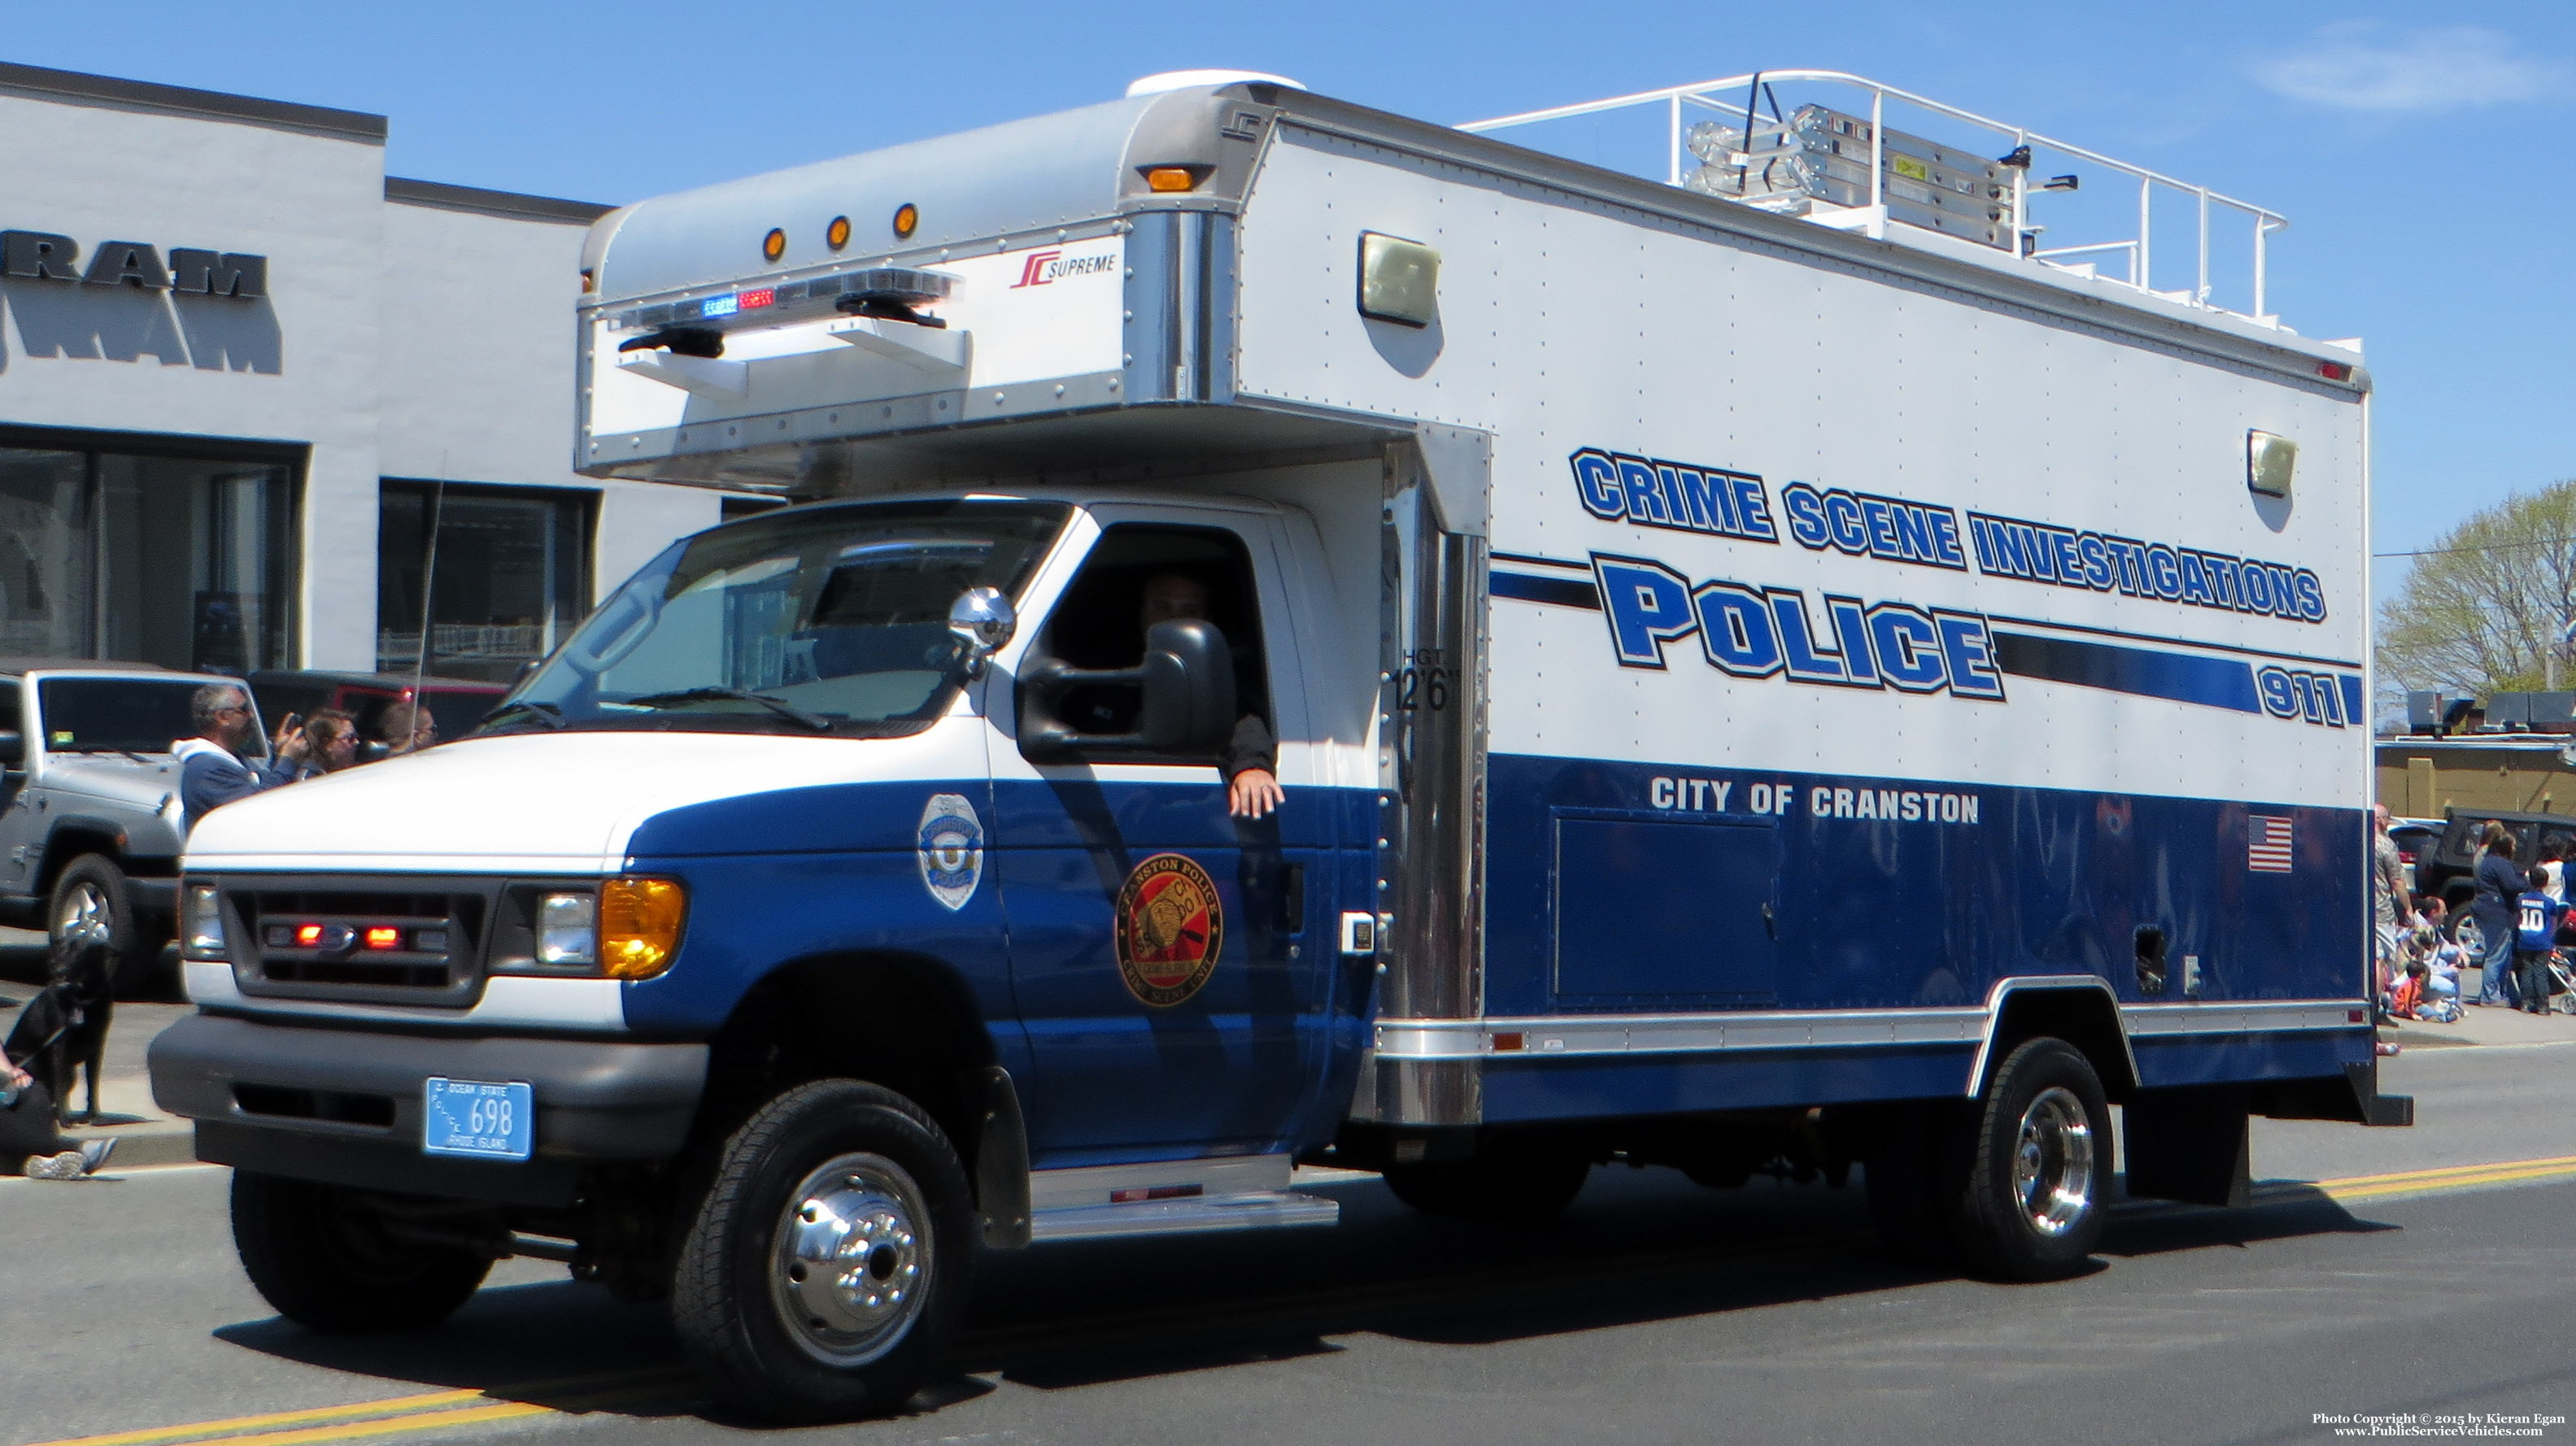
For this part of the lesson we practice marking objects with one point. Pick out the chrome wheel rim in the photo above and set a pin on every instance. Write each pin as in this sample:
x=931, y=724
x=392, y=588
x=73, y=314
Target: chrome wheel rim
x=85, y=917
x=850, y=1261
x=2053, y=1162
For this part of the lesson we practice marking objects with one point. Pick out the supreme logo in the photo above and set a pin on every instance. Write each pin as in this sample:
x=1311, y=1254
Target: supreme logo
x=1045, y=268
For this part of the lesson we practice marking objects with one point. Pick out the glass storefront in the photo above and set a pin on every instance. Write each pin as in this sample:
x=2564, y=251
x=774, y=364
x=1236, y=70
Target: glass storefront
x=138, y=551
x=504, y=571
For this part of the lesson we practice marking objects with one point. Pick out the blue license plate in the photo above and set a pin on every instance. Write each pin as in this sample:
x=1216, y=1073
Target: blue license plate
x=479, y=1120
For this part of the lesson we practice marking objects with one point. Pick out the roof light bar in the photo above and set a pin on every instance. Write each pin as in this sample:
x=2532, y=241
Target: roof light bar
x=821, y=295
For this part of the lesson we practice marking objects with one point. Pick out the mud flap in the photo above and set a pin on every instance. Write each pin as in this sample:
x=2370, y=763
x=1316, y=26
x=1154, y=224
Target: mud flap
x=2193, y=1145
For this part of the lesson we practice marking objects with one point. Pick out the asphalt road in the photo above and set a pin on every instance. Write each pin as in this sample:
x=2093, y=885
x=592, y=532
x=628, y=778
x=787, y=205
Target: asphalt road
x=1653, y=1311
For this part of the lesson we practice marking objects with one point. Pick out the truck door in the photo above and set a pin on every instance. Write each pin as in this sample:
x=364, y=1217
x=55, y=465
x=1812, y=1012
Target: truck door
x=1171, y=961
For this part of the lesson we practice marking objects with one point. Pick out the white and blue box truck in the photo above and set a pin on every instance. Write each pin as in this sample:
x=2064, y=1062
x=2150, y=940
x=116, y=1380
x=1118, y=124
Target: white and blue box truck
x=1312, y=637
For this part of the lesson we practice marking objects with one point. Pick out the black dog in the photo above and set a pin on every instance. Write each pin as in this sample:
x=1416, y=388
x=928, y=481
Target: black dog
x=64, y=1029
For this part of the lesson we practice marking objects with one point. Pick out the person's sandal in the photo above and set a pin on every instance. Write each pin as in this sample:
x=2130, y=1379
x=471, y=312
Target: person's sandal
x=94, y=1154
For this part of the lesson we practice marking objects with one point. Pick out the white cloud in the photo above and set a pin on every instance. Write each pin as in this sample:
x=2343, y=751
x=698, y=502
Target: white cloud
x=2365, y=66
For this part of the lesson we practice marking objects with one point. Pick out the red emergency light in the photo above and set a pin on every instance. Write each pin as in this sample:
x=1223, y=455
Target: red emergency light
x=383, y=937
x=765, y=296
x=308, y=936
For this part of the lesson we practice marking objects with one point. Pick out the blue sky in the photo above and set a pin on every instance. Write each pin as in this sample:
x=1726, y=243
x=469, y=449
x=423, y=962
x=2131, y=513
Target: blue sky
x=2419, y=151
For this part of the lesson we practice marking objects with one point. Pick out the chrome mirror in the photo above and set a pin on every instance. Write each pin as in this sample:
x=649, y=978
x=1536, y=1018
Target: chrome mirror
x=981, y=620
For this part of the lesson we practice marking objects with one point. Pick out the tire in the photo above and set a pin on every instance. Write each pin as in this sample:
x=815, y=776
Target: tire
x=2471, y=939
x=323, y=1261
x=831, y=1171
x=1514, y=1187
x=2038, y=1164
x=91, y=900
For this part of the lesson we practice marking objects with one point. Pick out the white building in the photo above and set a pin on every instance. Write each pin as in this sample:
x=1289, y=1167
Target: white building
x=240, y=369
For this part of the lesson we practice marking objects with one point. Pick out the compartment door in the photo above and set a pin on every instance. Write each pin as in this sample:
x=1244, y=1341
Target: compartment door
x=1655, y=912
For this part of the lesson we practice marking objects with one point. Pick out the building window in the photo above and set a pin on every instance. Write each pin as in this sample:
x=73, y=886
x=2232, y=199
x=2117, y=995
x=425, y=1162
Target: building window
x=147, y=550
x=500, y=575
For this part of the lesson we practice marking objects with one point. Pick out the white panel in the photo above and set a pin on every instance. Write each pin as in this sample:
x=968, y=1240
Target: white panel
x=1568, y=327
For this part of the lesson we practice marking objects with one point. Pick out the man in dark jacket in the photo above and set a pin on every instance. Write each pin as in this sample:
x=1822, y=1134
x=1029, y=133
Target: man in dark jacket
x=2501, y=883
x=211, y=770
x=1250, y=760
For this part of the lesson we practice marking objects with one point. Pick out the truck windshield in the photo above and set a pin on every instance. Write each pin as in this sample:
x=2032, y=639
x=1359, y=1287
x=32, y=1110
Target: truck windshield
x=816, y=620
x=115, y=715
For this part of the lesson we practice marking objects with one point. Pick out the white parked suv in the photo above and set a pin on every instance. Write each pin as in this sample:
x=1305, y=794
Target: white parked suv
x=90, y=823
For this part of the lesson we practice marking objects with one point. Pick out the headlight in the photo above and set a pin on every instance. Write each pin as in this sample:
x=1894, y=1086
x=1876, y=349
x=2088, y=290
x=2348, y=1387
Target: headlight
x=639, y=926
x=201, y=928
x=567, y=929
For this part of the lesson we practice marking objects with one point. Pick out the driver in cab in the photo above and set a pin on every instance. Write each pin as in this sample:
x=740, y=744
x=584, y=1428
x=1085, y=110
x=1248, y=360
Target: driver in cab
x=1250, y=760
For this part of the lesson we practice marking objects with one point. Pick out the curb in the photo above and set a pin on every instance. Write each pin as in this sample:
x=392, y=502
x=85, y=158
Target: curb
x=161, y=1142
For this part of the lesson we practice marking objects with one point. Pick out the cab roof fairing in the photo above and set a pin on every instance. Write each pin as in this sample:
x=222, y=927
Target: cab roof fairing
x=1035, y=175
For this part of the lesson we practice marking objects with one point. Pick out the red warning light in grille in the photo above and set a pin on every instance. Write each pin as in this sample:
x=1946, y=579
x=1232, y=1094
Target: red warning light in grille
x=762, y=296
x=384, y=938
x=308, y=936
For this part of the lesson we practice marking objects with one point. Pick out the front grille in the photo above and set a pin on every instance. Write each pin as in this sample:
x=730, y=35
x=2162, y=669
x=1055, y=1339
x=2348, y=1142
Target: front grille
x=370, y=944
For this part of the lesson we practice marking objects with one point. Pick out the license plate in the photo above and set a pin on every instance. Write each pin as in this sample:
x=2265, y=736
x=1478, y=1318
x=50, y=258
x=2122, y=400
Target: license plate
x=477, y=1119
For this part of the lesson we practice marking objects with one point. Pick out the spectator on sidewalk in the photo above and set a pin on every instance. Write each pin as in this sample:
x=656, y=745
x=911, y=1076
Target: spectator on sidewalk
x=29, y=1142
x=211, y=770
x=2501, y=885
x=2390, y=907
x=406, y=727
x=330, y=744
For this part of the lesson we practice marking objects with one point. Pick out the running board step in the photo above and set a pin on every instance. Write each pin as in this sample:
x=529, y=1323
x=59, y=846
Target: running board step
x=1268, y=1210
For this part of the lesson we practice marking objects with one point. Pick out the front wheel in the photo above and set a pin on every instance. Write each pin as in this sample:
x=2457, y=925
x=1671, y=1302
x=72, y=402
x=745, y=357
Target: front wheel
x=2030, y=1207
x=324, y=1259
x=93, y=905
x=831, y=1259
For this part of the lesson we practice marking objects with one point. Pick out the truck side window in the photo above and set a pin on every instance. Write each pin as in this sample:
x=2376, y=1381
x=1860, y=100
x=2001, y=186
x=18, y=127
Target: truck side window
x=1100, y=623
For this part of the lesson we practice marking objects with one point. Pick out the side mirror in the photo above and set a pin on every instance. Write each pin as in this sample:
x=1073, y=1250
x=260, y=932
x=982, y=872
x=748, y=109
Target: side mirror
x=1185, y=703
x=981, y=620
x=13, y=748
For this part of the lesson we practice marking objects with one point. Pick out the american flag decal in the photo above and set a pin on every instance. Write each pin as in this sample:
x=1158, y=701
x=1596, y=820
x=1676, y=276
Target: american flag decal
x=2267, y=844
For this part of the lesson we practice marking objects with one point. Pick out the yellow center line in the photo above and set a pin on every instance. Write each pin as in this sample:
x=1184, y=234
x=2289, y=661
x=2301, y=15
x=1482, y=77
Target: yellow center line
x=395, y=1414
x=279, y=1418
x=425, y=1421
x=2461, y=1182
x=2448, y=1170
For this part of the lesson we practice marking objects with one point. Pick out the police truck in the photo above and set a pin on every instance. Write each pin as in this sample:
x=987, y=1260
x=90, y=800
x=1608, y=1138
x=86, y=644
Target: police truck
x=1307, y=637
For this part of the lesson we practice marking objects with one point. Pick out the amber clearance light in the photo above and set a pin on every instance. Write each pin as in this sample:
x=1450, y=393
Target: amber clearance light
x=1170, y=178
x=639, y=926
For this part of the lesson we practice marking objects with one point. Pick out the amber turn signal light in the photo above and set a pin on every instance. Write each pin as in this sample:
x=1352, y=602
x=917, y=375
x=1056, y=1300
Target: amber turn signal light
x=639, y=926
x=1169, y=178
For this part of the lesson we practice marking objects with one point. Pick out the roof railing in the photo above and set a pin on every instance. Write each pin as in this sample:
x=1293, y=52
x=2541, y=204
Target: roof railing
x=1735, y=100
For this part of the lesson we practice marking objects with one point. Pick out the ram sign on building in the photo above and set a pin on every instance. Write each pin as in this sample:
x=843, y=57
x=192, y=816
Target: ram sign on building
x=235, y=404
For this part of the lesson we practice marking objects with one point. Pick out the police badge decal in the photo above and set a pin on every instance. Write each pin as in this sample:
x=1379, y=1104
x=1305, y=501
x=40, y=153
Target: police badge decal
x=1170, y=926
x=952, y=849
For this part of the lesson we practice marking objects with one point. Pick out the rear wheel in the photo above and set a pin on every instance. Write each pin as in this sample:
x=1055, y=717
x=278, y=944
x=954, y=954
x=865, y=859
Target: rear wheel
x=92, y=904
x=2030, y=1206
x=1512, y=1185
x=831, y=1259
x=324, y=1259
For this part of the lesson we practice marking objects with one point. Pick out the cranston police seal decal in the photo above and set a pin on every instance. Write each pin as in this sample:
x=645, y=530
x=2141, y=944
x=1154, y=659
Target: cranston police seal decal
x=1170, y=926
x=952, y=849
